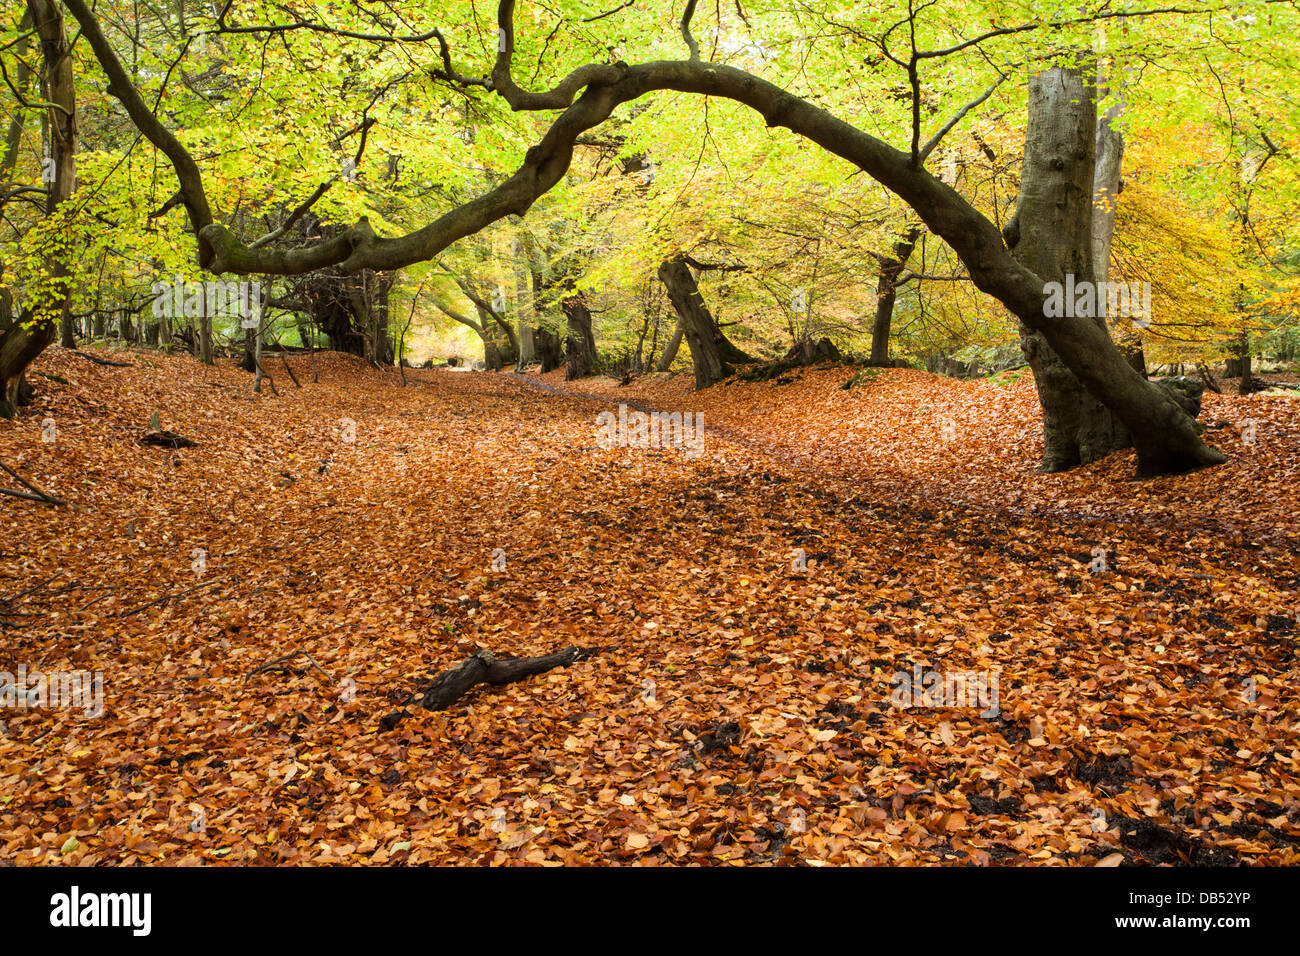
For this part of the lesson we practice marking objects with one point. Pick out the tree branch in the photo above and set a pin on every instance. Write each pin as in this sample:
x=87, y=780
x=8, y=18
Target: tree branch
x=928, y=148
x=686, y=30
x=121, y=87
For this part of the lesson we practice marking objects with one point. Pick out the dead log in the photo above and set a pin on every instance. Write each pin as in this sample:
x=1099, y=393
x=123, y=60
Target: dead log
x=484, y=667
x=166, y=439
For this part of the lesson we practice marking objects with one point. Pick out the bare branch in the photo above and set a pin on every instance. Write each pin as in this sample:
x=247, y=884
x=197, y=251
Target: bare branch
x=320, y=190
x=314, y=27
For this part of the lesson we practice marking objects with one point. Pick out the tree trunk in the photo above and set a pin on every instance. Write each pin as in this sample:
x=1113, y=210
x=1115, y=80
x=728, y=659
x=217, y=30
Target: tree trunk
x=367, y=297
x=1240, y=366
x=524, y=309
x=581, y=345
x=887, y=294
x=36, y=327
x=257, y=360
x=350, y=308
x=68, y=330
x=712, y=353
x=547, y=342
x=249, y=362
x=1106, y=186
x=550, y=348
x=670, y=350
x=1052, y=233
x=504, y=334
x=205, y=333
x=22, y=74
x=498, y=350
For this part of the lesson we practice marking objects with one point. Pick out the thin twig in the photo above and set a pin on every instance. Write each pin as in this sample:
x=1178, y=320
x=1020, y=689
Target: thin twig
x=279, y=661
x=168, y=597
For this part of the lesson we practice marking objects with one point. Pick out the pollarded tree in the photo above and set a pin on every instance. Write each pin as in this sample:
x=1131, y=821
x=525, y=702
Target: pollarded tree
x=713, y=354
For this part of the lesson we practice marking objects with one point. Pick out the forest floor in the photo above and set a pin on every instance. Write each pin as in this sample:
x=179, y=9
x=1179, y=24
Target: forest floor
x=362, y=535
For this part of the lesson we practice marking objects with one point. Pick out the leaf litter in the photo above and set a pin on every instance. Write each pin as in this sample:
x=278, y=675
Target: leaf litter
x=753, y=606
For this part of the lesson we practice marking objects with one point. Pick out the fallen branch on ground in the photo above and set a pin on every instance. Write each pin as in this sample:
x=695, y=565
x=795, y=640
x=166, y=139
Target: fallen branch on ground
x=167, y=597
x=100, y=361
x=8, y=605
x=33, y=493
x=41, y=499
x=484, y=667
x=166, y=439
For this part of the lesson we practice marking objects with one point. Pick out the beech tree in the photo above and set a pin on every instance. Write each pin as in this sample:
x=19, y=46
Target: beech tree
x=1051, y=233
x=891, y=269
x=1164, y=436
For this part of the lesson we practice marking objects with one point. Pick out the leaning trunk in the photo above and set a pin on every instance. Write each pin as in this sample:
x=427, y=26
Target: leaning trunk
x=34, y=329
x=712, y=353
x=670, y=350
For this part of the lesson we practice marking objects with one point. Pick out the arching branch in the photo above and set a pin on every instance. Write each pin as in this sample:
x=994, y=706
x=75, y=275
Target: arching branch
x=1163, y=434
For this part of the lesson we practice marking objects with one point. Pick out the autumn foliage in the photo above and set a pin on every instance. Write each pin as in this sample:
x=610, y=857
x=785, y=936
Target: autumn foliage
x=751, y=606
